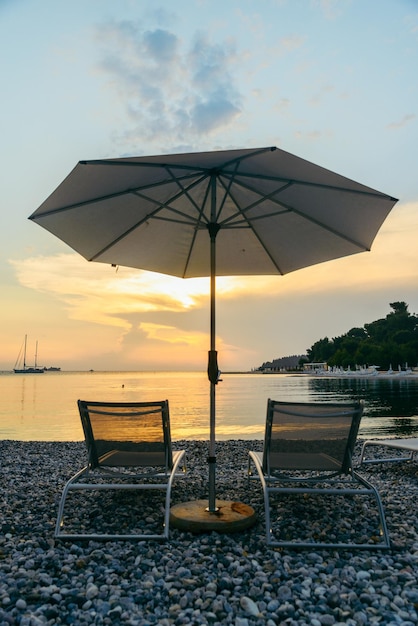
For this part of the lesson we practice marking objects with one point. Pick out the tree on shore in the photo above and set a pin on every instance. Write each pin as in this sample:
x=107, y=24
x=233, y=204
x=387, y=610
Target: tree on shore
x=391, y=341
x=283, y=363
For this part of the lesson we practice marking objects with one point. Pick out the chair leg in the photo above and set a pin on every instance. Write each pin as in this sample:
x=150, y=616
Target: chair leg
x=253, y=457
x=369, y=490
x=364, y=461
x=64, y=495
x=181, y=456
x=73, y=485
x=374, y=492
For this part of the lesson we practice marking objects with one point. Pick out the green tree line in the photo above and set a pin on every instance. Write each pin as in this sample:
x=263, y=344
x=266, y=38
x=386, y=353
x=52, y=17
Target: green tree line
x=387, y=342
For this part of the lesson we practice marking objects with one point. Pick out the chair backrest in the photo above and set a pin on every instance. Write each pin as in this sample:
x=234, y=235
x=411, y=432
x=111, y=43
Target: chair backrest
x=127, y=434
x=310, y=436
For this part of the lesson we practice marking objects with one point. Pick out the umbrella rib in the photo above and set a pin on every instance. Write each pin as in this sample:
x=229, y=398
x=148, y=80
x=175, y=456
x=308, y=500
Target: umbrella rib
x=236, y=162
x=154, y=215
x=200, y=212
x=118, y=194
x=304, y=183
x=287, y=209
x=192, y=243
x=241, y=212
x=248, y=225
x=227, y=191
x=167, y=204
x=178, y=166
x=148, y=164
x=185, y=192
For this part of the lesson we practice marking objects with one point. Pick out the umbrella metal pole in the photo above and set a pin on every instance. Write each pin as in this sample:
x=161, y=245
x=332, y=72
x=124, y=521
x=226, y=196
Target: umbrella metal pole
x=213, y=366
x=212, y=508
x=219, y=515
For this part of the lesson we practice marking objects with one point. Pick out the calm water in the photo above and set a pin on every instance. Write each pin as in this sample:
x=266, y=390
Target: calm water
x=43, y=407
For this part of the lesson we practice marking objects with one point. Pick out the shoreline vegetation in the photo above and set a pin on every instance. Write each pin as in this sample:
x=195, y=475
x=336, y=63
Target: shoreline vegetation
x=341, y=373
x=196, y=579
x=388, y=342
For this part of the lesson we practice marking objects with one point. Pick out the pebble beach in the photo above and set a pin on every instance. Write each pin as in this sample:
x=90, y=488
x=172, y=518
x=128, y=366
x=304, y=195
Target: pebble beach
x=211, y=578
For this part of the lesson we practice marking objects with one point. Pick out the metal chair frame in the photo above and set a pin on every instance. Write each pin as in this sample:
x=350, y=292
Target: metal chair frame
x=408, y=443
x=312, y=472
x=124, y=466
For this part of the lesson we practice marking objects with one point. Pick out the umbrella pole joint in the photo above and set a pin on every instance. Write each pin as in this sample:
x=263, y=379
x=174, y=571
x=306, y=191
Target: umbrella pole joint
x=213, y=228
x=214, y=372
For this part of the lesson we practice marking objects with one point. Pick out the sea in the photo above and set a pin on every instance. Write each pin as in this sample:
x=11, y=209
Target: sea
x=43, y=407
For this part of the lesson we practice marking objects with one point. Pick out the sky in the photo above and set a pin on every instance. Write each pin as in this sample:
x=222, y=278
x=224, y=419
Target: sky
x=332, y=81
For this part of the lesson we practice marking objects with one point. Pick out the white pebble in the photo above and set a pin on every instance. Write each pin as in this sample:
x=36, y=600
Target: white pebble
x=21, y=604
x=92, y=591
x=249, y=606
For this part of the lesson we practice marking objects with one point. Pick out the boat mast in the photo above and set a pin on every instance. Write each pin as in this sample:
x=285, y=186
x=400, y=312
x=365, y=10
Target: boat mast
x=24, y=353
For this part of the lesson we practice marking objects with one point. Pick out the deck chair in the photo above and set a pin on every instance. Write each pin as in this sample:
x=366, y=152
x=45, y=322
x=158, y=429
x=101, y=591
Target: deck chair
x=308, y=450
x=129, y=448
x=409, y=444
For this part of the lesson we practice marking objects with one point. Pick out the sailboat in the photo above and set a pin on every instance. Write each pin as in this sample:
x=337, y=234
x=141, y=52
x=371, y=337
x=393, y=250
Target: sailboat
x=27, y=369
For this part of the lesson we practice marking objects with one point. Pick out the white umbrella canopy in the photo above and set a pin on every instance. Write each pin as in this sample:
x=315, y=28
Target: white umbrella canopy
x=222, y=213
x=276, y=212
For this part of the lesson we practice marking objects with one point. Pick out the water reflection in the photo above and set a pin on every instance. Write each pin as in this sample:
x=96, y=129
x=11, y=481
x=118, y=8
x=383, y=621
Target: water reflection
x=391, y=405
x=385, y=397
x=45, y=407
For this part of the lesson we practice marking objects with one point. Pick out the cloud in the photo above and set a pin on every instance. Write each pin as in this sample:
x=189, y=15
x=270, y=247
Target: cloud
x=312, y=135
x=331, y=9
x=172, y=335
x=290, y=43
x=282, y=105
x=318, y=97
x=411, y=20
x=173, y=95
x=402, y=122
x=160, y=45
x=208, y=115
x=96, y=293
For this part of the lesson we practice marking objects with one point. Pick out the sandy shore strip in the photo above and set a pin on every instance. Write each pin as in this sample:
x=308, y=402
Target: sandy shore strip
x=195, y=579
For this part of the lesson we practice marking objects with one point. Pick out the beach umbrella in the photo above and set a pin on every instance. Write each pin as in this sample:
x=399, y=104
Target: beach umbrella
x=231, y=212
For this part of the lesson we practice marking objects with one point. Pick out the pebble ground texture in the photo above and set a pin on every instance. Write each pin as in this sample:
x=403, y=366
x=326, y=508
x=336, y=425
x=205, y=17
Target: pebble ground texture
x=198, y=579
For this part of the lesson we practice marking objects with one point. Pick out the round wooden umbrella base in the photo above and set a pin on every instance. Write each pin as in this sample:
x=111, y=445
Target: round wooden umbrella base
x=194, y=516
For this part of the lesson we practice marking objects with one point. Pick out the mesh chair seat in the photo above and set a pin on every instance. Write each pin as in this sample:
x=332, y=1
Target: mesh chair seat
x=308, y=449
x=129, y=449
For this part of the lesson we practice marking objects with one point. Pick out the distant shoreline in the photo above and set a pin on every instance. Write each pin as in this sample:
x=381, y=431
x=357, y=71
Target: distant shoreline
x=345, y=375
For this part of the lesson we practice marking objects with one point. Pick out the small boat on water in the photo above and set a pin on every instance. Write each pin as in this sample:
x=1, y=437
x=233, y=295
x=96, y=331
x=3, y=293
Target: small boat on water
x=20, y=365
